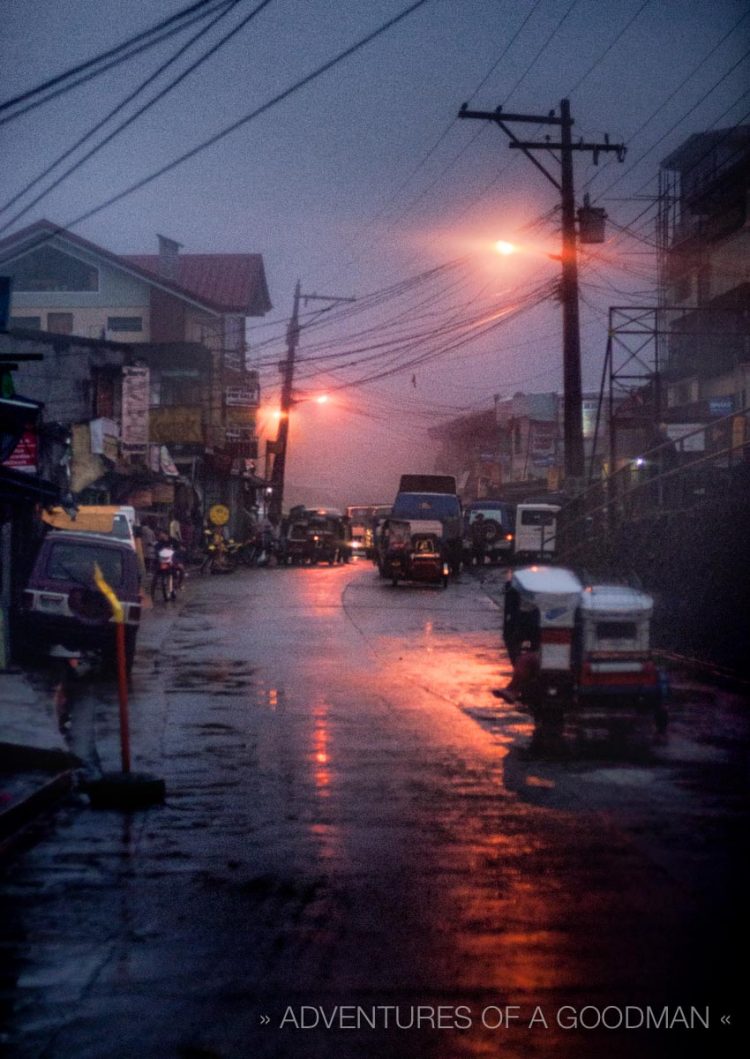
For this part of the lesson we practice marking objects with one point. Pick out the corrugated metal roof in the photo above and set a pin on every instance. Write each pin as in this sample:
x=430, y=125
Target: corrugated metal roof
x=230, y=282
x=223, y=282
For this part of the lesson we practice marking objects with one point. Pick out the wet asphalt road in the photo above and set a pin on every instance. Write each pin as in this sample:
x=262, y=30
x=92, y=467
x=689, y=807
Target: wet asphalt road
x=355, y=823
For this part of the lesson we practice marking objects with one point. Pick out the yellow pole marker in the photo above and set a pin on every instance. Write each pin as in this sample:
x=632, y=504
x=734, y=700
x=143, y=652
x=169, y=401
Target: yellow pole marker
x=118, y=614
x=117, y=609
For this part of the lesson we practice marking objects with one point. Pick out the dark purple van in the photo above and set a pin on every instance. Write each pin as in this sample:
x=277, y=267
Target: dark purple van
x=61, y=603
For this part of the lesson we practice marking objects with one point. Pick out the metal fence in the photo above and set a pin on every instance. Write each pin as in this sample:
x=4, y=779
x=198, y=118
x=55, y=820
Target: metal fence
x=706, y=467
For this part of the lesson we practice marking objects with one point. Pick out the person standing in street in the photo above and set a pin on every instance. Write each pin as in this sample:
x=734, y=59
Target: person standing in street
x=175, y=536
x=148, y=537
x=478, y=540
x=175, y=530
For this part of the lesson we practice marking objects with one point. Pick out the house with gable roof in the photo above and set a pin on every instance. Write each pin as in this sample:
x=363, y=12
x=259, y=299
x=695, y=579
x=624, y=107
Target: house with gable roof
x=184, y=317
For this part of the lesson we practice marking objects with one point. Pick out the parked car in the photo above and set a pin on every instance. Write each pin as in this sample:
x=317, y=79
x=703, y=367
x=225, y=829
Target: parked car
x=499, y=518
x=62, y=605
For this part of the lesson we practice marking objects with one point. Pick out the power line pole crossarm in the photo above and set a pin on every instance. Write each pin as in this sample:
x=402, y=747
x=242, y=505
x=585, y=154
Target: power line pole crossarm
x=572, y=390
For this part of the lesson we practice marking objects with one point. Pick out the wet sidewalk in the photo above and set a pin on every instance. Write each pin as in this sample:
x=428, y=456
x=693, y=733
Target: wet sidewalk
x=40, y=761
x=36, y=769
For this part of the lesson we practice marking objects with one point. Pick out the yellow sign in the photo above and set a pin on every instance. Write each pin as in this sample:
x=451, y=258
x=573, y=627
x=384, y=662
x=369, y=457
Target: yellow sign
x=219, y=514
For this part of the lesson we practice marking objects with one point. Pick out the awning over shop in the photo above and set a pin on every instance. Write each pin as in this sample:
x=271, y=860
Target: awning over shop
x=16, y=486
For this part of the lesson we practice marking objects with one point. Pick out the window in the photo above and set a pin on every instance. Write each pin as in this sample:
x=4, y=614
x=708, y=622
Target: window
x=75, y=562
x=616, y=630
x=537, y=518
x=26, y=323
x=488, y=514
x=124, y=323
x=60, y=323
x=48, y=269
x=426, y=505
x=176, y=388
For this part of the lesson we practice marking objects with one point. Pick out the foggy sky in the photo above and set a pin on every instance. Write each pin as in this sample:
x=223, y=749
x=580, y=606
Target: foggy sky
x=364, y=177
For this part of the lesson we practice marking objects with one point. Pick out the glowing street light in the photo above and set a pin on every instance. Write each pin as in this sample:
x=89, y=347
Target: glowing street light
x=504, y=247
x=322, y=398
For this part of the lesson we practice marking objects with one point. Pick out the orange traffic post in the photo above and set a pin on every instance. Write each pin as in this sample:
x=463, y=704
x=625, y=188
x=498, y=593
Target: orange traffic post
x=123, y=790
x=122, y=693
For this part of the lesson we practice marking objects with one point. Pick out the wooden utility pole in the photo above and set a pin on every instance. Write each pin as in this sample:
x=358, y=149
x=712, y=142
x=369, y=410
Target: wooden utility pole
x=286, y=367
x=282, y=434
x=572, y=417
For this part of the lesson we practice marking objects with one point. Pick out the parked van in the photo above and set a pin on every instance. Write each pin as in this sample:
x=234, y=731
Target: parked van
x=536, y=531
x=62, y=605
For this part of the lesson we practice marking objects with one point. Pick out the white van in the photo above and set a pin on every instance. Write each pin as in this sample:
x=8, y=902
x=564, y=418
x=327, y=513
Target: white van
x=536, y=531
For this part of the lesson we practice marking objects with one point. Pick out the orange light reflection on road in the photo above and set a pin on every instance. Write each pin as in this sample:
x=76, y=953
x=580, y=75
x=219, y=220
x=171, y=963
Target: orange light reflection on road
x=428, y=633
x=320, y=750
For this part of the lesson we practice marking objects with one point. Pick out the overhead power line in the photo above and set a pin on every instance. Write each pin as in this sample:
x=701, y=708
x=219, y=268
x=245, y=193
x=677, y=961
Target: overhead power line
x=138, y=113
x=229, y=129
x=122, y=52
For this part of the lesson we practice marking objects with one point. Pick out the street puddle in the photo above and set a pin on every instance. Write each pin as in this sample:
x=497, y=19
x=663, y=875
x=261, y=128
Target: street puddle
x=221, y=676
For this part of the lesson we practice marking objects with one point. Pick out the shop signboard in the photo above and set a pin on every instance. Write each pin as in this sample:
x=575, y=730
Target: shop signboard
x=25, y=456
x=135, y=405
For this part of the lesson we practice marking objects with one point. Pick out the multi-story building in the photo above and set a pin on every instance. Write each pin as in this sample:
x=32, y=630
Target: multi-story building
x=182, y=316
x=704, y=262
x=513, y=448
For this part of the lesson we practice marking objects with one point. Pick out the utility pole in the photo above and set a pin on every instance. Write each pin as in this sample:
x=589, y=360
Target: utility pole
x=286, y=367
x=572, y=394
x=282, y=434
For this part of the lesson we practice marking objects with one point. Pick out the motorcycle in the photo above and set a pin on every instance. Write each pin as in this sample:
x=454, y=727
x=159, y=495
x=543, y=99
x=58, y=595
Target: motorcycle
x=165, y=573
x=220, y=555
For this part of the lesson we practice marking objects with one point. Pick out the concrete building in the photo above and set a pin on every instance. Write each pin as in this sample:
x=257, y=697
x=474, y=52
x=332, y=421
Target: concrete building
x=178, y=324
x=704, y=259
x=512, y=449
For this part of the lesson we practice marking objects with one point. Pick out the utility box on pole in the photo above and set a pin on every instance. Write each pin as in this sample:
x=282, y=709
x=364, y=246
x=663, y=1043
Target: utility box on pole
x=594, y=225
x=591, y=223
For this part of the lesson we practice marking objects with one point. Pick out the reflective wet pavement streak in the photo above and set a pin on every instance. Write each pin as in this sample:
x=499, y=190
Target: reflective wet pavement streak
x=357, y=828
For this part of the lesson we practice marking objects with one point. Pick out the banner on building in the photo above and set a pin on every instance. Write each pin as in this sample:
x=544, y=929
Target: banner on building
x=135, y=405
x=542, y=442
x=25, y=456
x=687, y=437
x=105, y=437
